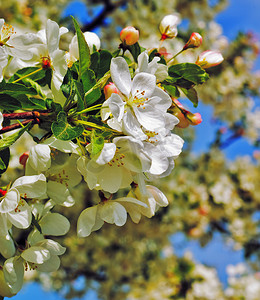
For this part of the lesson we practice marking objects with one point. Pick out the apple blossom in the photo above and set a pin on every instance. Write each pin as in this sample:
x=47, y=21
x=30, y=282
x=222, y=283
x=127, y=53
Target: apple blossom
x=109, y=211
x=153, y=67
x=115, y=165
x=141, y=102
x=42, y=256
x=13, y=206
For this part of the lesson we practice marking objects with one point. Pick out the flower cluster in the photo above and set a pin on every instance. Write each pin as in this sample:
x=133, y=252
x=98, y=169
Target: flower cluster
x=105, y=117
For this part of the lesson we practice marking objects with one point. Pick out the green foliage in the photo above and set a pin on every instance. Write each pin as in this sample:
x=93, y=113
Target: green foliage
x=185, y=76
x=62, y=130
x=84, y=53
x=15, y=96
x=4, y=159
x=9, y=140
x=97, y=144
x=135, y=50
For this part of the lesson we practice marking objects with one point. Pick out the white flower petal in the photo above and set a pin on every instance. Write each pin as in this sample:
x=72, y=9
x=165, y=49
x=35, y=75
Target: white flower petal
x=36, y=254
x=86, y=221
x=143, y=83
x=116, y=106
x=110, y=178
x=120, y=75
x=113, y=213
x=7, y=248
x=59, y=193
x=10, y=201
x=33, y=186
x=40, y=157
x=50, y=265
x=21, y=217
x=53, y=247
x=52, y=35
x=158, y=195
x=106, y=154
x=13, y=273
x=54, y=224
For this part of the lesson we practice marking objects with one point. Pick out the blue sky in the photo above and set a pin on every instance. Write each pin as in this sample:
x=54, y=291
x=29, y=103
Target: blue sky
x=241, y=15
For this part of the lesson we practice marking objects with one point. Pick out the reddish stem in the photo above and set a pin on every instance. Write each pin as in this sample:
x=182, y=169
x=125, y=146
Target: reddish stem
x=22, y=115
x=19, y=125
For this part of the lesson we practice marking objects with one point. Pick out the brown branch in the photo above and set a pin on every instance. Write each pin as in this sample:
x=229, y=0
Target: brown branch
x=19, y=125
x=108, y=9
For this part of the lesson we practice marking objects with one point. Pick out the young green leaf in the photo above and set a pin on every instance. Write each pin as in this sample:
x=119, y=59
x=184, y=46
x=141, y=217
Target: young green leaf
x=186, y=75
x=84, y=53
x=192, y=95
x=62, y=130
x=97, y=144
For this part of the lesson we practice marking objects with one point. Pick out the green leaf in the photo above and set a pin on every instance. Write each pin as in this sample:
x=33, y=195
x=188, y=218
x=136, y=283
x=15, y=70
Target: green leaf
x=16, y=89
x=16, y=96
x=104, y=64
x=192, y=95
x=95, y=62
x=84, y=53
x=172, y=90
x=9, y=140
x=186, y=75
x=135, y=50
x=4, y=160
x=97, y=144
x=9, y=103
x=89, y=80
x=80, y=93
x=2, y=164
x=62, y=130
x=36, y=76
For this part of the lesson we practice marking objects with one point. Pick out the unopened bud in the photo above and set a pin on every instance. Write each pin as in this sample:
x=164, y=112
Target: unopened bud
x=163, y=51
x=23, y=158
x=194, y=42
x=183, y=122
x=168, y=26
x=109, y=89
x=208, y=59
x=129, y=35
x=194, y=119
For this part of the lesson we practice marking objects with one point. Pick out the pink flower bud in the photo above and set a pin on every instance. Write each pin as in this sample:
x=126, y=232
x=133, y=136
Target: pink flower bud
x=194, y=119
x=183, y=122
x=208, y=59
x=109, y=89
x=164, y=52
x=168, y=26
x=23, y=158
x=194, y=42
x=129, y=35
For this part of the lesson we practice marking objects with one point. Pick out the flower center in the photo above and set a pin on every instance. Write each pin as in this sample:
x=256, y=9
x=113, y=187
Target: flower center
x=151, y=136
x=46, y=62
x=5, y=34
x=137, y=100
x=118, y=160
x=61, y=177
